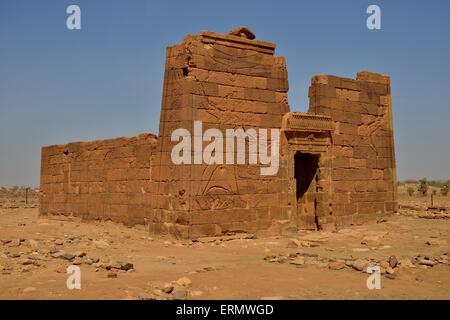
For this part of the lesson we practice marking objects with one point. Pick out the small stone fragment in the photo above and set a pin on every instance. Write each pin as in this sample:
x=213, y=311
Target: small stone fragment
x=336, y=265
x=427, y=262
x=184, y=281
x=393, y=261
x=180, y=294
x=168, y=288
x=299, y=261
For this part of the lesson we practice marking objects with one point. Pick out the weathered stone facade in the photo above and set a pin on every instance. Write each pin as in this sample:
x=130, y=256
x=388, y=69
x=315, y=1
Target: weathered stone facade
x=364, y=177
x=108, y=179
x=336, y=166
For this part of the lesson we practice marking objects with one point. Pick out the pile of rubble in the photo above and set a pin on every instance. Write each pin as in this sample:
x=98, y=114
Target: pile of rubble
x=425, y=212
x=388, y=267
x=26, y=255
x=176, y=290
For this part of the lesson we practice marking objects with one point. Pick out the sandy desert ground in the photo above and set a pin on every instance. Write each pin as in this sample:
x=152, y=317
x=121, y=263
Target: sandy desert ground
x=117, y=262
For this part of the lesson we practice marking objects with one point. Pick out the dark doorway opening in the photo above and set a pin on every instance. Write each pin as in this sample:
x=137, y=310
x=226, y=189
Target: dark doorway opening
x=306, y=166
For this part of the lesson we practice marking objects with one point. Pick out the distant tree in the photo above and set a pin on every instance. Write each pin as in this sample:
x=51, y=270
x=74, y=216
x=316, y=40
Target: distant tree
x=423, y=187
x=410, y=191
x=444, y=190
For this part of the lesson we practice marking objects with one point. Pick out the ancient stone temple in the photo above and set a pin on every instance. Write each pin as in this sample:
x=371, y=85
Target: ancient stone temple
x=336, y=163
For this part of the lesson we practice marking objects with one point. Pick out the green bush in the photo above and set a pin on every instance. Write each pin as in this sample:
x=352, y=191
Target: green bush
x=423, y=187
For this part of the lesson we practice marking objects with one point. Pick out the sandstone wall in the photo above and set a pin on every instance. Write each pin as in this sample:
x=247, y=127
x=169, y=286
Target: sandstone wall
x=307, y=134
x=108, y=179
x=363, y=158
x=344, y=144
x=226, y=82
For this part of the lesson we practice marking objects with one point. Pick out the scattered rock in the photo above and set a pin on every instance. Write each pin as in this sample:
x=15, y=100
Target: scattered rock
x=33, y=244
x=317, y=237
x=196, y=293
x=184, y=281
x=61, y=269
x=180, y=294
x=36, y=263
x=101, y=244
x=53, y=250
x=310, y=255
x=308, y=244
x=293, y=243
x=146, y=297
x=393, y=261
x=390, y=276
x=94, y=259
x=58, y=254
x=239, y=236
x=67, y=256
x=427, y=262
x=168, y=288
x=14, y=243
x=126, y=266
x=77, y=261
x=88, y=261
x=26, y=268
x=390, y=270
x=436, y=242
x=112, y=275
x=205, y=269
x=43, y=251
x=79, y=254
x=336, y=265
x=299, y=261
x=112, y=265
x=59, y=242
x=25, y=261
x=360, y=249
x=405, y=262
x=6, y=269
x=370, y=243
x=99, y=265
x=359, y=264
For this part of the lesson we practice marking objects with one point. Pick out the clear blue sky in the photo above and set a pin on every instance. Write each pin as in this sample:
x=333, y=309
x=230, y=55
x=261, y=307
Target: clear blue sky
x=105, y=80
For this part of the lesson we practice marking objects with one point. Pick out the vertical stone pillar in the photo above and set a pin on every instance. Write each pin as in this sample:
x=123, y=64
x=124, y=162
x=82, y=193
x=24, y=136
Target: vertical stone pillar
x=226, y=82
